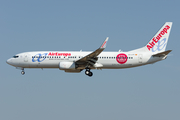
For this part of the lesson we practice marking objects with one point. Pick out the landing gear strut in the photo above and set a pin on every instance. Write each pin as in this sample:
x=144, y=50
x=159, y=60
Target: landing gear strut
x=88, y=72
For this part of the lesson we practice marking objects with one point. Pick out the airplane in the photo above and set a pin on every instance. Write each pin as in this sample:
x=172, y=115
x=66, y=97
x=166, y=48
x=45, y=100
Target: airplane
x=76, y=61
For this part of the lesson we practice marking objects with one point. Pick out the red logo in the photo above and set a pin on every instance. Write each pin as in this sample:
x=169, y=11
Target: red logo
x=121, y=58
x=59, y=54
x=158, y=37
x=103, y=44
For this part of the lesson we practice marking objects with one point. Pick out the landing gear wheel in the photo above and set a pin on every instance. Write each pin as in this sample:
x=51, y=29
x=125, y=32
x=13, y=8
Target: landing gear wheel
x=88, y=72
x=22, y=72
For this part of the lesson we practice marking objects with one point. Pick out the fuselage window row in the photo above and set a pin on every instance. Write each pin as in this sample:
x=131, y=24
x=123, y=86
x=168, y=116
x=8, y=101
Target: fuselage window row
x=79, y=57
x=115, y=57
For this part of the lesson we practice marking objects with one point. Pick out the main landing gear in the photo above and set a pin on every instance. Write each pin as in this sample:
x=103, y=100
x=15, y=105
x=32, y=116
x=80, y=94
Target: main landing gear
x=88, y=72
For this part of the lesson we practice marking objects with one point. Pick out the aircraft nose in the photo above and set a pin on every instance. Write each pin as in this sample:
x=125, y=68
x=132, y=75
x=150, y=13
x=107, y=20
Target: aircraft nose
x=9, y=61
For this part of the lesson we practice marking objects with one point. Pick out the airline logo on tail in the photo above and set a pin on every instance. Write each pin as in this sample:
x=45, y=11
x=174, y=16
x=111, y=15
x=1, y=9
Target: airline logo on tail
x=161, y=44
x=157, y=39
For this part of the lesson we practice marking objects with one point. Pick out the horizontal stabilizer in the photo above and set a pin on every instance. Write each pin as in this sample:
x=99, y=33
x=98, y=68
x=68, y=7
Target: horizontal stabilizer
x=162, y=53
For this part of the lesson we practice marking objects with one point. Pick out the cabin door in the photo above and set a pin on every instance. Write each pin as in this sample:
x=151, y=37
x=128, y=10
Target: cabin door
x=140, y=58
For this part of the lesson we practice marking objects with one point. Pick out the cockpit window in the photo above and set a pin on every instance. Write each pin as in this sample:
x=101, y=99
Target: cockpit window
x=15, y=56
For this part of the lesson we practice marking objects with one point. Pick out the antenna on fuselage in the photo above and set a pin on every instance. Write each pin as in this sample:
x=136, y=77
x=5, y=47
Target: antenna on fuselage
x=120, y=50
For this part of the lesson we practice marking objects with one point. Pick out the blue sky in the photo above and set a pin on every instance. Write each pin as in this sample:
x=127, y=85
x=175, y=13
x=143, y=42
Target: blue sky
x=147, y=92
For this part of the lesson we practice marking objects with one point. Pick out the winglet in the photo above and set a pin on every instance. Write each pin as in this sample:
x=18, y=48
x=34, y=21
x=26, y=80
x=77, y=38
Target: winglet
x=104, y=43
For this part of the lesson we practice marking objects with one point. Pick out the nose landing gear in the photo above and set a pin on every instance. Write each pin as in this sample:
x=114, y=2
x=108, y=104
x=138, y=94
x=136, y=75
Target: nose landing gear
x=22, y=72
x=88, y=72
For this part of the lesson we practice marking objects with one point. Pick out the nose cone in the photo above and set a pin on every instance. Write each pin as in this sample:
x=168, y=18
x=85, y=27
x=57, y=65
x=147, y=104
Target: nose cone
x=9, y=61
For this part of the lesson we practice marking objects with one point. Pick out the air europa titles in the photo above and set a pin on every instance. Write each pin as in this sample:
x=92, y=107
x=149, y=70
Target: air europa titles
x=42, y=56
x=59, y=54
x=158, y=37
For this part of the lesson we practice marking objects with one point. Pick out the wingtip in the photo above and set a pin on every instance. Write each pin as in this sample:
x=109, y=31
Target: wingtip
x=107, y=38
x=104, y=43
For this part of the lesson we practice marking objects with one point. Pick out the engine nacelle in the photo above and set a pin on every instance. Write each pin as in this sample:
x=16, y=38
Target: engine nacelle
x=67, y=66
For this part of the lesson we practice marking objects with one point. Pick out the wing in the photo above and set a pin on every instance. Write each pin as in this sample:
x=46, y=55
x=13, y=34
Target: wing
x=91, y=58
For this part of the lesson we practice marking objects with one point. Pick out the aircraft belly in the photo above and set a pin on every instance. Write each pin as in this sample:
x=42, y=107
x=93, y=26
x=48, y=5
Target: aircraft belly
x=115, y=65
x=44, y=64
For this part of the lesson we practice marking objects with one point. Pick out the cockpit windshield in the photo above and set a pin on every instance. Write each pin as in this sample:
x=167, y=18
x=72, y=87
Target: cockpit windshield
x=15, y=56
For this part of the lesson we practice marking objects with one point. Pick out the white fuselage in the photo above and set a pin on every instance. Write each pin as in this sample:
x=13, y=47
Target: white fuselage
x=108, y=60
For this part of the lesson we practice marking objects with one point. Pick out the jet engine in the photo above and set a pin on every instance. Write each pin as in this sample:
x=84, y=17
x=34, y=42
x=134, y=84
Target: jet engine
x=67, y=66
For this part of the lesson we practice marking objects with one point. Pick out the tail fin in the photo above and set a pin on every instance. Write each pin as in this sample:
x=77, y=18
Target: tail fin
x=158, y=43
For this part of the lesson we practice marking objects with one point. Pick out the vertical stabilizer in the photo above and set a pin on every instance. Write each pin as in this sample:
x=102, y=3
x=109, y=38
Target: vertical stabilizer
x=159, y=42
